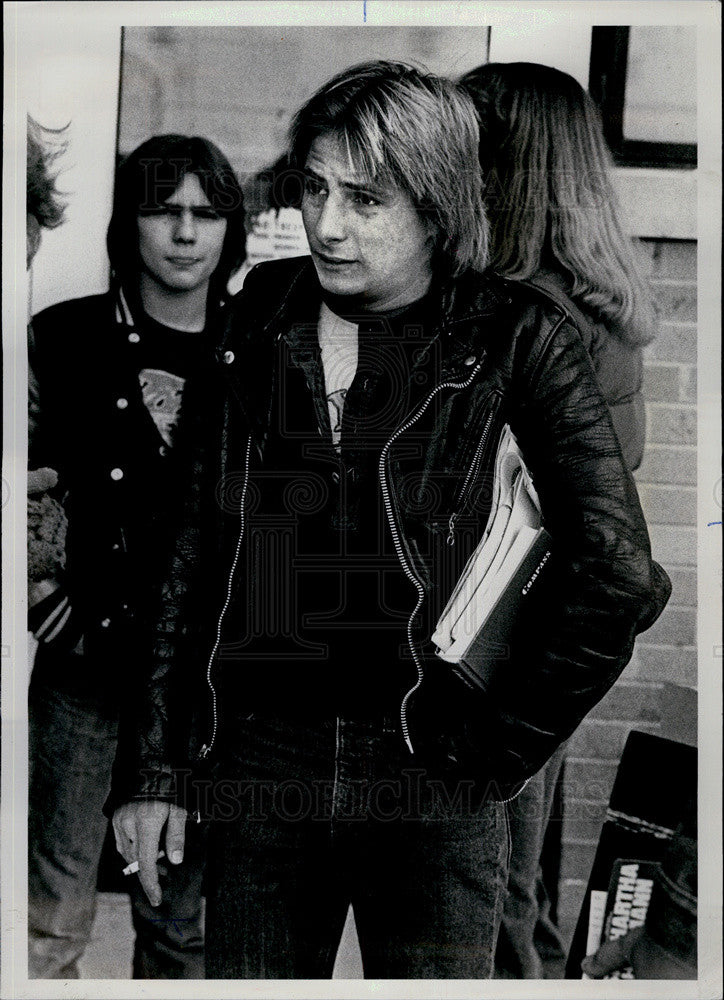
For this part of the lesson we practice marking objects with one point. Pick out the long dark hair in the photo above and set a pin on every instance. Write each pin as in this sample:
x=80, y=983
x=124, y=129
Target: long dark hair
x=548, y=192
x=149, y=176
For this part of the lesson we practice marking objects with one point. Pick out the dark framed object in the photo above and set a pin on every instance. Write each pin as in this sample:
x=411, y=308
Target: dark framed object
x=607, y=84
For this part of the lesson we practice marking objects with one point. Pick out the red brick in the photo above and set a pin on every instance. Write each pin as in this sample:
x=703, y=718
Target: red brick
x=676, y=627
x=675, y=301
x=668, y=504
x=662, y=464
x=603, y=740
x=683, y=582
x=673, y=546
x=572, y=892
x=577, y=860
x=670, y=258
x=661, y=382
x=629, y=702
x=671, y=423
x=585, y=778
x=673, y=342
x=577, y=827
x=688, y=384
x=662, y=663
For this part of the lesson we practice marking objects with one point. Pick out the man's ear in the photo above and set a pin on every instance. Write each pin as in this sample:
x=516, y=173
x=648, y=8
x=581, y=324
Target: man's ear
x=433, y=231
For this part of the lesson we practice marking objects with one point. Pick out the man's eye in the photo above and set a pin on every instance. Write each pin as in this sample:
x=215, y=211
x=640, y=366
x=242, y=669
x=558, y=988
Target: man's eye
x=365, y=199
x=206, y=213
x=154, y=210
x=312, y=186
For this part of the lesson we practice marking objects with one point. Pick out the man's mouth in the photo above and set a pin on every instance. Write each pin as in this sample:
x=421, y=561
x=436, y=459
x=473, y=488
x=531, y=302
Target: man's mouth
x=328, y=259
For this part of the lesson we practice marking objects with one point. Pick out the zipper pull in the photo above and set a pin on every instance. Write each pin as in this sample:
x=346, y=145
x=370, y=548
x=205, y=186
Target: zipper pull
x=203, y=752
x=451, y=529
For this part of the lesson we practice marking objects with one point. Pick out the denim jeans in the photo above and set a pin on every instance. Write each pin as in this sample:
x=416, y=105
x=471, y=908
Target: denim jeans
x=310, y=817
x=530, y=946
x=73, y=735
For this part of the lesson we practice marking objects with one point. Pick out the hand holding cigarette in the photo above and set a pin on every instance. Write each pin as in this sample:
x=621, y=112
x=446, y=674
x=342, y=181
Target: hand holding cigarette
x=134, y=866
x=140, y=827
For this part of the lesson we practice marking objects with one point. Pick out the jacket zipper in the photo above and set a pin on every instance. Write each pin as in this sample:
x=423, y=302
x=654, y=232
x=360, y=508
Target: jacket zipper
x=504, y=802
x=472, y=471
x=395, y=532
x=206, y=748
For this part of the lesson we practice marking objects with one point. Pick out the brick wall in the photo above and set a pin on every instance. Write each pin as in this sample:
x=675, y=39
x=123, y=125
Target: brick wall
x=667, y=652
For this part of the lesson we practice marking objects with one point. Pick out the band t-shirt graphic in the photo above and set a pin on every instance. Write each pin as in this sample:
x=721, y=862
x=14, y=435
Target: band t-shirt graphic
x=339, y=347
x=162, y=392
x=168, y=357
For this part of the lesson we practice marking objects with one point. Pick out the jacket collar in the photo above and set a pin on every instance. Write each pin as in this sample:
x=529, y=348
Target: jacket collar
x=467, y=305
x=463, y=322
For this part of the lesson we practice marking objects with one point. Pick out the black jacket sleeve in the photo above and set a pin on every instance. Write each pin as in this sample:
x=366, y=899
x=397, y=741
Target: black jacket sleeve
x=604, y=587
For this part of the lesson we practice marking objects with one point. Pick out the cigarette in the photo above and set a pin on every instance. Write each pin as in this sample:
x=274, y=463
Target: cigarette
x=133, y=867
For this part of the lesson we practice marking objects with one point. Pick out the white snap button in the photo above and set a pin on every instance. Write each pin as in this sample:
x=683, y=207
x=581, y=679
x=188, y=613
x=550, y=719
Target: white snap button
x=115, y=547
x=121, y=403
x=470, y=360
x=116, y=474
x=228, y=357
x=133, y=337
x=105, y=623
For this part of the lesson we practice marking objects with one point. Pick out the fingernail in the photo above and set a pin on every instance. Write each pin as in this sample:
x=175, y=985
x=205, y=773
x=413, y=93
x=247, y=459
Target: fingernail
x=155, y=900
x=176, y=857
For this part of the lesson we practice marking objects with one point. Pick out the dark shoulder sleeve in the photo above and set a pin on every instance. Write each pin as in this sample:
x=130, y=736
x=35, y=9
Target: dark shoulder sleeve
x=604, y=587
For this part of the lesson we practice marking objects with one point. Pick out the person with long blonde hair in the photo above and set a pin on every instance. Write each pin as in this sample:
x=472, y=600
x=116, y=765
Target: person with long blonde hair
x=555, y=223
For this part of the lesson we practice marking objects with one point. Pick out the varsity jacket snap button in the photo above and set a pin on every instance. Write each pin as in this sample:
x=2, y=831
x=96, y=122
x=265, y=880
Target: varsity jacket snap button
x=116, y=474
x=121, y=403
x=133, y=337
x=105, y=623
x=228, y=357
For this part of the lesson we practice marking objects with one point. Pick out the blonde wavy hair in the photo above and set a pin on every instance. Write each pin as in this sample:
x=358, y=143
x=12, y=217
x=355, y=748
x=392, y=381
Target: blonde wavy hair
x=415, y=130
x=548, y=192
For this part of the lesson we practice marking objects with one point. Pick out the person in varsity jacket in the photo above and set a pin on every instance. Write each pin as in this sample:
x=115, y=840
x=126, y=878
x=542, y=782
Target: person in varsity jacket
x=118, y=390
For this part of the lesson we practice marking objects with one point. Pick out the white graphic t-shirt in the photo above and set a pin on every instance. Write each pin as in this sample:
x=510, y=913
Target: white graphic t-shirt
x=338, y=343
x=162, y=392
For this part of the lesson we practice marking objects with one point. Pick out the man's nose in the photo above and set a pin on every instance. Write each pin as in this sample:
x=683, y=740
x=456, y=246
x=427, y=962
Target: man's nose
x=331, y=221
x=185, y=229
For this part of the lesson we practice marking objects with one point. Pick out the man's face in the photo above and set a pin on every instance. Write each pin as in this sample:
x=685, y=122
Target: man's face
x=368, y=242
x=180, y=243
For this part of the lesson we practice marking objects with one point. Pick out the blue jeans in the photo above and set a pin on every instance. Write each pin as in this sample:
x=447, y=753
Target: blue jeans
x=530, y=944
x=73, y=736
x=310, y=817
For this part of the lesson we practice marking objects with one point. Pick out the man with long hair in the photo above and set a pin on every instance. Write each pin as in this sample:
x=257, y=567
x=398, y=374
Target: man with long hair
x=340, y=761
x=120, y=388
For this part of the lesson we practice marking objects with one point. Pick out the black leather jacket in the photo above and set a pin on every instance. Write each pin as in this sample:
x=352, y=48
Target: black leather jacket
x=502, y=352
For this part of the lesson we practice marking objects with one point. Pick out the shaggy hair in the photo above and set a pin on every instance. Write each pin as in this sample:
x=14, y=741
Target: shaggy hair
x=43, y=201
x=416, y=131
x=149, y=176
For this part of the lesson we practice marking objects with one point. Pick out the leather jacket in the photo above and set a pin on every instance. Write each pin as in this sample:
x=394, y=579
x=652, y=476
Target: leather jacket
x=501, y=352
